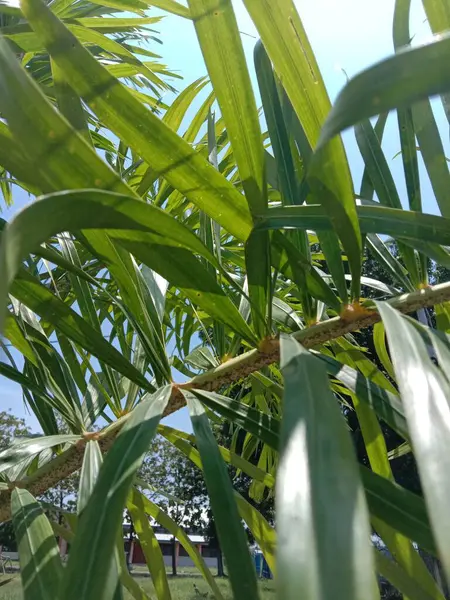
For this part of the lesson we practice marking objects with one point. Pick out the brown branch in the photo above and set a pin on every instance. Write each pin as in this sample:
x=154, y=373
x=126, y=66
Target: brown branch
x=229, y=372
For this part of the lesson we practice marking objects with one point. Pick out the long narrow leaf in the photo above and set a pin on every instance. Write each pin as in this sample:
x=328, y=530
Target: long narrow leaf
x=41, y=568
x=392, y=83
x=92, y=551
x=232, y=537
x=424, y=390
x=150, y=546
x=168, y=154
x=316, y=458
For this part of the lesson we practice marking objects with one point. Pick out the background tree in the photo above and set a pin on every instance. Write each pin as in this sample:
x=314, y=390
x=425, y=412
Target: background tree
x=177, y=485
x=11, y=429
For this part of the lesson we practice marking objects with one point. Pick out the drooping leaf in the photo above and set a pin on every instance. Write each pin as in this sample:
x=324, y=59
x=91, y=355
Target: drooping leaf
x=41, y=568
x=88, y=569
x=392, y=83
x=263, y=533
x=231, y=534
x=168, y=154
x=22, y=450
x=150, y=546
x=424, y=390
x=316, y=457
x=288, y=47
x=399, y=577
x=163, y=519
x=90, y=469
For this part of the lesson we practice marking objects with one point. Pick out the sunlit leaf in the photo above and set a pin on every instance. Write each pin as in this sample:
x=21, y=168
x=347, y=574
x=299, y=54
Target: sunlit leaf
x=41, y=568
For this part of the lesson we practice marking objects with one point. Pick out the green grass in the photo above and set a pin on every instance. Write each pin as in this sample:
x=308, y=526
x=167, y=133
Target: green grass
x=182, y=588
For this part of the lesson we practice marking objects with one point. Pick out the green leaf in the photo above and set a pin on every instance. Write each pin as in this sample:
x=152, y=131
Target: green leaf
x=387, y=405
x=40, y=564
x=91, y=209
x=438, y=15
x=403, y=511
x=384, y=185
x=221, y=45
x=317, y=462
x=220, y=41
x=401, y=224
x=329, y=180
x=264, y=426
x=301, y=271
x=70, y=211
x=127, y=580
x=163, y=519
x=379, y=340
x=263, y=533
x=116, y=23
x=173, y=118
x=59, y=7
x=419, y=120
x=424, y=390
x=433, y=153
x=21, y=450
x=149, y=545
x=158, y=145
x=279, y=137
x=284, y=158
x=187, y=273
x=392, y=83
x=388, y=501
x=39, y=299
x=399, y=578
x=40, y=131
x=169, y=6
x=68, y=102
x=176, y=112
x=92, y=551
x=90, y=468
x=443, y=317
x=393, y=266
x=409, y=158
x=184, y=442
x=367, y=190
x=257, y=262
x=375, y=446
x=25, y=382
x=232, y=537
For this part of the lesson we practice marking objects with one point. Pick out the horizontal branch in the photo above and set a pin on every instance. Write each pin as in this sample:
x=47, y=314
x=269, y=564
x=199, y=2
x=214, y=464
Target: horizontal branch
x=229, y=372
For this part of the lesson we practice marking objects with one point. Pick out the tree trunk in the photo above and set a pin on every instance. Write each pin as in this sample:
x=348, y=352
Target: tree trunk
x=174, y=556
x=220, y=572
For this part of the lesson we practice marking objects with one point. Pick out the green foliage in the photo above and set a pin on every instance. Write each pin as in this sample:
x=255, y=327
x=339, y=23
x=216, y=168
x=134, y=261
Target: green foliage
x=243, y=259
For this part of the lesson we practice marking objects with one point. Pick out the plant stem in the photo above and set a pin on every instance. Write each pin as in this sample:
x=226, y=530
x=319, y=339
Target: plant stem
x=229, y=372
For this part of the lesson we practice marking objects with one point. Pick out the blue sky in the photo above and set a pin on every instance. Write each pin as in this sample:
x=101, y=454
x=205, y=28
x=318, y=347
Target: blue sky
x=345, y=34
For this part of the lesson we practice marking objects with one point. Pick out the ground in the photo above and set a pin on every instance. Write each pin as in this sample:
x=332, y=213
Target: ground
x=183, y=587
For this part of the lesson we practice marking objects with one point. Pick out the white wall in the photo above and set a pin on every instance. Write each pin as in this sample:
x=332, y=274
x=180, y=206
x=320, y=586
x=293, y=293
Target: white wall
x=186, y=561
x=11, y=555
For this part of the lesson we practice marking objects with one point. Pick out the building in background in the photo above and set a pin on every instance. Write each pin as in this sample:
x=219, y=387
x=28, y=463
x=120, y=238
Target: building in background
x=135, y=554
